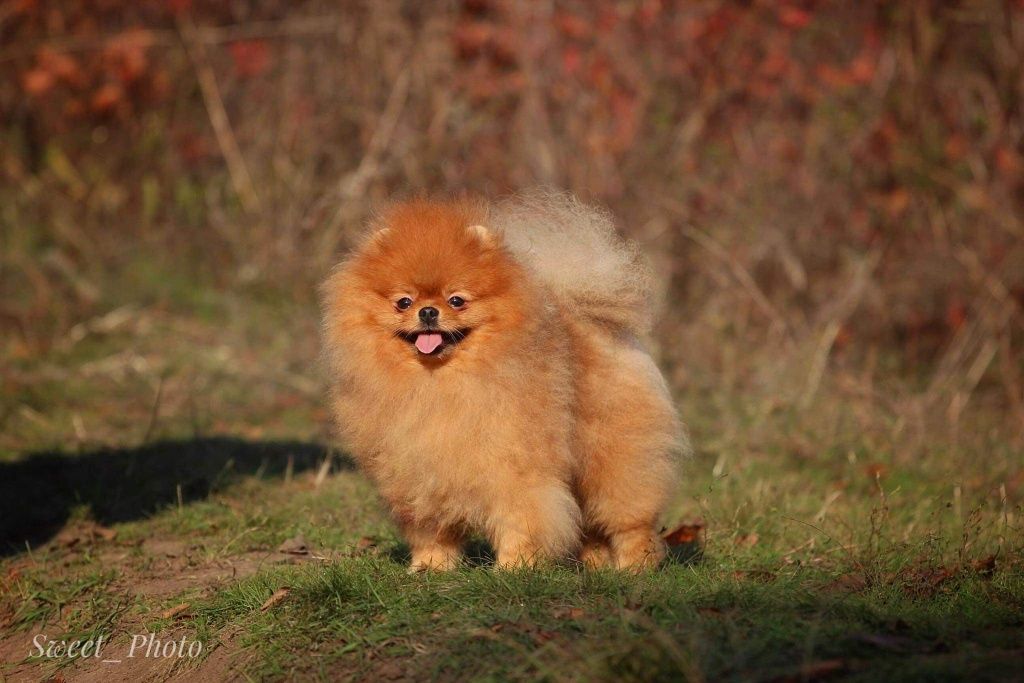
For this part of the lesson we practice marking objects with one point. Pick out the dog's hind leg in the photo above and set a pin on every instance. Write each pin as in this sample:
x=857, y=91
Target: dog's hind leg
x=628, y=437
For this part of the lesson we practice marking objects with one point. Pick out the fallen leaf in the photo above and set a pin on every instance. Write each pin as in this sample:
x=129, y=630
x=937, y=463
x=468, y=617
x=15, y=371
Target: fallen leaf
x=540, y=636
x=84, y=533
x=852, y=583
x=295, y=546
x=936, y=577
x=489, y=632
x=279, y=595
x=876, y=470
x=366, y=543
x=685, y=533
x=748, y=540
x=759, y=575
x=68, y=540
x=568, y=613
x=175, y=611
x=925, y=581
x=986, y=567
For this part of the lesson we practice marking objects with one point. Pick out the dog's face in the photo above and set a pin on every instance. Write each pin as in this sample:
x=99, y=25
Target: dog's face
x=433, y=285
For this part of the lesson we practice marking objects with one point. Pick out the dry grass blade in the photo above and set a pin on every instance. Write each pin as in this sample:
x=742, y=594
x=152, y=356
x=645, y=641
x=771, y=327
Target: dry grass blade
x=176, y=611
x=323, y=470
x=279, y=595
x=296, y=545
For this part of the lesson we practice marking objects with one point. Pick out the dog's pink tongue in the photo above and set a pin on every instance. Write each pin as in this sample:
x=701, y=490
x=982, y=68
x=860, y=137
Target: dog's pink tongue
x=428, y=342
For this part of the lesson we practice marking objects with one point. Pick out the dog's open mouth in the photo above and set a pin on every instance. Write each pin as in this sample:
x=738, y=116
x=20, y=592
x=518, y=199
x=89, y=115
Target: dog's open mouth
x=434, y=342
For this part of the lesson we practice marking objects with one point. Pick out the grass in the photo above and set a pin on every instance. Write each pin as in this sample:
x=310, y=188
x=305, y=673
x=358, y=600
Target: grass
x=688, y=622
x=825, y=552
x=806, y=569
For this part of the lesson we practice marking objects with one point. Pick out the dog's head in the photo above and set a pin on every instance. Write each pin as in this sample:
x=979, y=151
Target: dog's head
x=431, y=283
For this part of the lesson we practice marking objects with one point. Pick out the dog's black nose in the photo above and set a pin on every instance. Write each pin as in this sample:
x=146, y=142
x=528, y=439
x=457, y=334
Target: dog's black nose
x=428, y=314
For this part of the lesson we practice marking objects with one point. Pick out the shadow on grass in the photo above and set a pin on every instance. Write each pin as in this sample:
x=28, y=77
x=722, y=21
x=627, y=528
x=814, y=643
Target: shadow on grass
x=39, y=491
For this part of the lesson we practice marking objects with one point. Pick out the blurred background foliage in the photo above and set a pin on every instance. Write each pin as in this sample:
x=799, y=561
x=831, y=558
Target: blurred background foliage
x=831, y=191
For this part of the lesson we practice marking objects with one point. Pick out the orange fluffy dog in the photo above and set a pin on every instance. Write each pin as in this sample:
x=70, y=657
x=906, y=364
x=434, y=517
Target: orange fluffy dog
x=487, y=373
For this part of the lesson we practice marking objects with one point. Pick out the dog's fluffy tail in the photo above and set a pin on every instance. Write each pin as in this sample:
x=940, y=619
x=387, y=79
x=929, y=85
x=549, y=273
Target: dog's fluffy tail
x=576, y=252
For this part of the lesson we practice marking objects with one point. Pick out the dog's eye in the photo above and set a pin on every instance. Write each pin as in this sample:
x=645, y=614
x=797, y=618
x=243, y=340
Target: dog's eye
x=403, y=303
x=456, y=302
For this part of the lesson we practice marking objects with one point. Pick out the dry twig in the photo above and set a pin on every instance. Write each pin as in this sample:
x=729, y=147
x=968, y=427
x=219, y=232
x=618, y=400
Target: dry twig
x=241, y=180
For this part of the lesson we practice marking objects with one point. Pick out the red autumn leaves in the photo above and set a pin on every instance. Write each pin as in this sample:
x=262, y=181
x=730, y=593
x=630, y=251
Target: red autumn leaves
x=110, y=80
x=108, y=64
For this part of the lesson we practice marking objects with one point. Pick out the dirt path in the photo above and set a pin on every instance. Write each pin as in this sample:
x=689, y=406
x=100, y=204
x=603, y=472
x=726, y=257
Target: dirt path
x=148, y=575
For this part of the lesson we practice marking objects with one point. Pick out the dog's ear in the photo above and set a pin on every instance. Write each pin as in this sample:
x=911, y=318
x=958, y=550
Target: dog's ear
x=485, y=236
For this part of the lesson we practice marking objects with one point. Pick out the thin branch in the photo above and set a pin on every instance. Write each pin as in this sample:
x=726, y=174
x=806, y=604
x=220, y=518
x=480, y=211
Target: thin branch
x=209, y=35
x=739, y=272
x=237, y=169
x=154, y=412
x=355, y=182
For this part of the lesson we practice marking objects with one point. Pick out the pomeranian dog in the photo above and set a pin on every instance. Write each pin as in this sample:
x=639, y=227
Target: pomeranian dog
x=487, y=372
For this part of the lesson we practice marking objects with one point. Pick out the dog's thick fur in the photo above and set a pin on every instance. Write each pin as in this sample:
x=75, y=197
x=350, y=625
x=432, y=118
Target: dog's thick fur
x=541, y=420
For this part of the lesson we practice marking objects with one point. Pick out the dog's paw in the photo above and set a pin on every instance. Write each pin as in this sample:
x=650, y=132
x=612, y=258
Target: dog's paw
x=433, y=560
x=594, y=555
x=639, y=553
